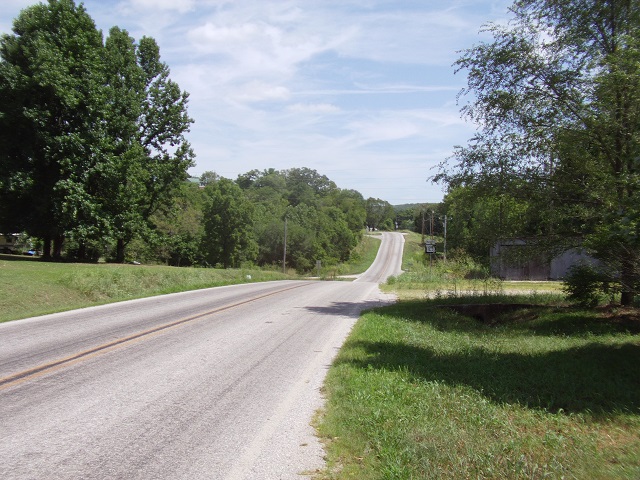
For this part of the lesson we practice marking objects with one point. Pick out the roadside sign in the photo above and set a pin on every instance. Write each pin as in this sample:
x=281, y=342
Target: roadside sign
x=430, y=248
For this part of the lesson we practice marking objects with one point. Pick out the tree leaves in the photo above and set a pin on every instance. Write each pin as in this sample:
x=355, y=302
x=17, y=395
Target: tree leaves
x=93, y=134
x=556, y=97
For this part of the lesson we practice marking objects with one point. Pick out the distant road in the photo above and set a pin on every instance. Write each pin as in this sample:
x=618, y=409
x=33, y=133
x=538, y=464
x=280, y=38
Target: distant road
x=210, y=384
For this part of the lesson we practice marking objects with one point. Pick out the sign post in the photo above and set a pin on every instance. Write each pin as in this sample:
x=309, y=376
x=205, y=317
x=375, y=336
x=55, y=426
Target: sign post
x=430, y=247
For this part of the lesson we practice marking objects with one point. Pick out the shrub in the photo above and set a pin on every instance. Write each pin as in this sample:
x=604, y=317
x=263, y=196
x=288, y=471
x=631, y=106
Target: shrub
x=587, y=285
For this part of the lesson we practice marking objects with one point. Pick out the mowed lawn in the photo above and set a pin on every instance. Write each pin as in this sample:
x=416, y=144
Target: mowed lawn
x=422, y=392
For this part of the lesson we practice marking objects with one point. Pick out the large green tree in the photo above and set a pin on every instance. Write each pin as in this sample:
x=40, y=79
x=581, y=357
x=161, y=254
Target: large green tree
x=92, y=135
x=380, y=214
x=148, y=146
x=50, y=121
x=556, y=97
x=178, y=228
x=228, y=225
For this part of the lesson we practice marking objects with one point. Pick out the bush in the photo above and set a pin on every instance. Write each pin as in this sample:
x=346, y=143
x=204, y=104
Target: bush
x=587, y=285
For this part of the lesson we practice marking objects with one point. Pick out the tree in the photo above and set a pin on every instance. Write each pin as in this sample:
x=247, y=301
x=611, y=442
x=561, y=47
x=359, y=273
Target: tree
x=352, y=203
x=154, y=154
x=480, y=220
x=380, y=214
x=306, y=186
x=91, y=135
x=555, y=96
x=49, y=121
x=179, y=227
x=228, y=225
x=208, y=178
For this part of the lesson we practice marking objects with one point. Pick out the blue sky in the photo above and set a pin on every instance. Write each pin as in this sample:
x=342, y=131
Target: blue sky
x=362, y=91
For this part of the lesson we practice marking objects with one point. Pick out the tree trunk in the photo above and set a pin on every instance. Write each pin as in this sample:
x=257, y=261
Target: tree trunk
x=58, y=240
x=46, y=248
x=120, y=251
x=628, y=282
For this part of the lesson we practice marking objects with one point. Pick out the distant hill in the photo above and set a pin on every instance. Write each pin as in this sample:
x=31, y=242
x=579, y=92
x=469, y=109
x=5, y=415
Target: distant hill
x=414, y=206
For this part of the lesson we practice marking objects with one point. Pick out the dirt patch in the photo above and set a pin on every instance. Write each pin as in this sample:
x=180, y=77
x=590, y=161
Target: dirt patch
x=487, y=312
x=627, y=317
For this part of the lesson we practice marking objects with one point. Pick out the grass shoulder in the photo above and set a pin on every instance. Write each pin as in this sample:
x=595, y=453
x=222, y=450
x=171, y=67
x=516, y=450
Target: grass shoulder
x=32, y=287
x=421, y=391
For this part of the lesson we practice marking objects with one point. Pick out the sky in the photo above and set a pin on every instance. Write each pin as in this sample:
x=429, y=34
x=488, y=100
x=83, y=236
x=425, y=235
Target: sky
x=363, y=91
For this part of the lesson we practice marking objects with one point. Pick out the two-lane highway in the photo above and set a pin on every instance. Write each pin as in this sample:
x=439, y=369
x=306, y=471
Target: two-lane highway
x=210, y=384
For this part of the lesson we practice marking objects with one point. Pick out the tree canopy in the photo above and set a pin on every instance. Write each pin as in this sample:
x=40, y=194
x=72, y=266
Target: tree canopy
x=92, y=133
x=555, y=98
x=324, y=222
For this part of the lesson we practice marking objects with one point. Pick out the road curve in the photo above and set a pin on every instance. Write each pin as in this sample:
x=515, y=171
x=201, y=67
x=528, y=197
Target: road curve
x=210, y=384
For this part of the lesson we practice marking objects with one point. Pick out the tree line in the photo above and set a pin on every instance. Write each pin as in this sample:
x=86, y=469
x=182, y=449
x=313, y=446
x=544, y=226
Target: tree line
x=221, y=222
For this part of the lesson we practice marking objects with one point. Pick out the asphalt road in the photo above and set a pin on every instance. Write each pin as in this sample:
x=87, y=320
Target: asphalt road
x=211, y=384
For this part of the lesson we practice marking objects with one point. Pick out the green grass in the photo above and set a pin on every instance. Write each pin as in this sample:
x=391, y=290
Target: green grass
x=420, y=392
x=31, y=287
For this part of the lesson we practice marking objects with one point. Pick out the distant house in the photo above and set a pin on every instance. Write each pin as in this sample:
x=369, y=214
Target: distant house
x=513, y=260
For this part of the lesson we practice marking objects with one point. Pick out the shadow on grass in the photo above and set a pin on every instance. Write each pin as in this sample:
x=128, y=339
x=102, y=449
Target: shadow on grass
x=539, y=320
x=18, y=258
x=594, y=378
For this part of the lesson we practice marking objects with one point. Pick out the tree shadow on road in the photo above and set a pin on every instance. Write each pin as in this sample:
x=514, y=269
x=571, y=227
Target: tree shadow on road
x=348, y=309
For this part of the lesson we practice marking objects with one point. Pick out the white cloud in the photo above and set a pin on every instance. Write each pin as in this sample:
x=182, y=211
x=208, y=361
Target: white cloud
x=381, y=130
x=181, y=6
x=313, y=108
x=360, y=90
x=257, y=91
x=269, y=46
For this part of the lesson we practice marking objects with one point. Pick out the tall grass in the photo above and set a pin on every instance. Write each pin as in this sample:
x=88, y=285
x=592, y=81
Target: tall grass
x=420, y=392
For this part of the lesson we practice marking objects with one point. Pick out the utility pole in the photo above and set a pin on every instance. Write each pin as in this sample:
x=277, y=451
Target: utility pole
x=284, y=257
x=431, y=234
x=445, y=238
x=431, y=228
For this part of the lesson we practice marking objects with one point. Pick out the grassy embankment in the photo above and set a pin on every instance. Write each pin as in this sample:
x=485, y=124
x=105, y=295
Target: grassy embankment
x=31, y=287
x=422, y=392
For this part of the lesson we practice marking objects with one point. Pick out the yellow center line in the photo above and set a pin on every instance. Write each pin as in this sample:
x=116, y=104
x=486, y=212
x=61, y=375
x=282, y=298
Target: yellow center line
x=55, y=365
